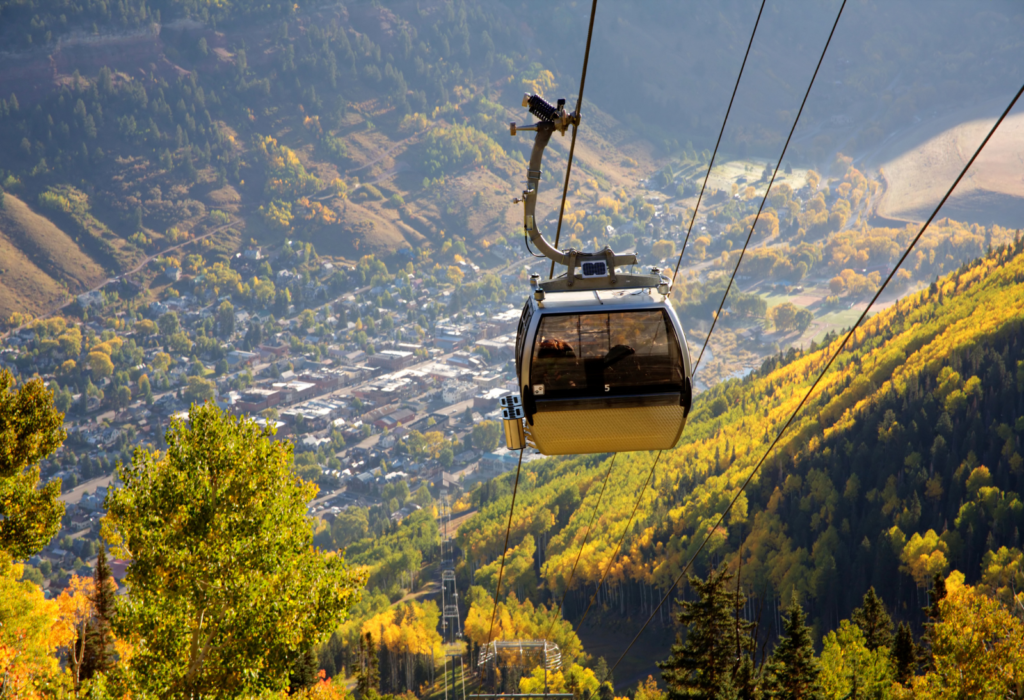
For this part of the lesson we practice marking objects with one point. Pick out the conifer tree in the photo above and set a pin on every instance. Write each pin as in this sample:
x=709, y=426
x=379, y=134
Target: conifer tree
x=305, y=672
x=793, y=670
x=747, y=680
x=606, y=691
x=702, y=666
x=935, y=595
x=368, y=673
x=904, y=654
x=99, y=655
x=874, y=621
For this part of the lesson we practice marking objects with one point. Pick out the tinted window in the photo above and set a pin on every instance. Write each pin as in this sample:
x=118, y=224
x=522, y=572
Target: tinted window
x=605, y=354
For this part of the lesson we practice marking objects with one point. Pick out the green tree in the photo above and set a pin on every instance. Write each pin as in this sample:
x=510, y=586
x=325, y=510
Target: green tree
x=422, y=497
x=936, y=595
x=179, y=343
x=226, y=590
x=99, y=646
x=282, y=299
x=874, y=621
x=784, y=315
x=31, y=428
x=792, y=671
x=803, y=319
x=122, y=397
x=351, y=525
x=199, y=390
x=305, y=672
x=485, y=436
x=703, y=665
x=849, y=669
x=226, y=319
x=168, y=324
x=368, y=672
x=904, y=654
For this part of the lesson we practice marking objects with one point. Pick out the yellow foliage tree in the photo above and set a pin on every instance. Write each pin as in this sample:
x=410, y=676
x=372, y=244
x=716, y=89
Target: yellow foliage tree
x=923, y=557
x=515, y=620
x=573, y=679
x=75, y=609
x=408, y=629
x=28, y=636
x=977, y=647
x=663, y=249
x=1002, y=572
x=100, y=364
x=454, y=274
x=539, y=82
x=278, y=214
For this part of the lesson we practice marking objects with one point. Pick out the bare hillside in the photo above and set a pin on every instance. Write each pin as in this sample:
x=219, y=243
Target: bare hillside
x=992, y=193
x=38, y=260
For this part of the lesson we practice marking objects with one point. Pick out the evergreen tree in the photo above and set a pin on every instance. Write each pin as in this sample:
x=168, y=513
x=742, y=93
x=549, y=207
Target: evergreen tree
x=368, y=673
x=935, y=596
x=716, y=640
x=305, y=672
x=874, y=621
x=747, y=680
x=904, y=654
x=793, y=670
x=99, y=638
x=327, y=662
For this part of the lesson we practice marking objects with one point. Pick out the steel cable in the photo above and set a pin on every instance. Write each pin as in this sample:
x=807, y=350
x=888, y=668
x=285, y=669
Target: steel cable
x=640, y=497
x=504, y=551
x=711, y=163
x=828, y=365
x=586, y=537
x=764, y=199
x=575, y=126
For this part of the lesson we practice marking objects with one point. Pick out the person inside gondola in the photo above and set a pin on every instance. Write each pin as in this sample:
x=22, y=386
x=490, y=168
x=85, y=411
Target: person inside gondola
x=599, y=355
x=553, y=347
x=556, y=364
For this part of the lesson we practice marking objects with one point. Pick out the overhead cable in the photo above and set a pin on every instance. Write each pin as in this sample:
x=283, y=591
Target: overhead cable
x=504, y=551
x=590, y=527
x=611, y=561
x=575, y=126
x=767, y=191
x=828, y=365
x=711, y=163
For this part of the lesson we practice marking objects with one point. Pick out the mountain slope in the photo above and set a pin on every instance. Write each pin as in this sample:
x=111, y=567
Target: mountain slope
x=40, y=262
x=905, y=462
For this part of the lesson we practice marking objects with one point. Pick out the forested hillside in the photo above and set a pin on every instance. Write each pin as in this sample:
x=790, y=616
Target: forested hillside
x=904, y=464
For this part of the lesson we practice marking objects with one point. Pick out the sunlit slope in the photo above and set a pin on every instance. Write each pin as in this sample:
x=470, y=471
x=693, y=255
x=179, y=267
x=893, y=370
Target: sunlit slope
x=993, y=192
x=926, y=393
x=39, y=261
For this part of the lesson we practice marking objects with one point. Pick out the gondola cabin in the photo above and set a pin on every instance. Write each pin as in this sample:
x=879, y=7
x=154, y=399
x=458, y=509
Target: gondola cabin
x=602, y=371
x=601, y=359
